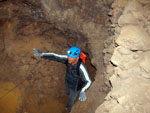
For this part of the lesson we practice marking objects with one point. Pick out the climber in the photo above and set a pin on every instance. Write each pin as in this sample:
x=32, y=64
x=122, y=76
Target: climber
x=76, y=74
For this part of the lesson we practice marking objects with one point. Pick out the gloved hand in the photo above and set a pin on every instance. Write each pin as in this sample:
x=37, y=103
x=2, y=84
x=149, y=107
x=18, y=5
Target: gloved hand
x=37, y=53
x=82, y=96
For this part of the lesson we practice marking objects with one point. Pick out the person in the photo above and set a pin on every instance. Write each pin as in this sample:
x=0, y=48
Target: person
x=77, y=79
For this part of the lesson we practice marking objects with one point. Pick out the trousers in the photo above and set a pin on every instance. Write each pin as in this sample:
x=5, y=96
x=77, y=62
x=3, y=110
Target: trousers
x=72, y=95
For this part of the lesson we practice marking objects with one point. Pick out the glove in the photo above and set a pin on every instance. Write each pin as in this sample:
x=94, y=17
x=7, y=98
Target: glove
x=37, y=53
x=82, y=96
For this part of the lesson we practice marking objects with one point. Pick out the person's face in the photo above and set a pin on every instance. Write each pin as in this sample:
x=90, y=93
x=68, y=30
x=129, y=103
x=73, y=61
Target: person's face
x=72, y=60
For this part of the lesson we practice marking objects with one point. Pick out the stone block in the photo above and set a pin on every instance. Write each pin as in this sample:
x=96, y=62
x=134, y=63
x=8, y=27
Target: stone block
x=114, y=79
x=133, y=91
x=145, y=65
x=134, y=38
x=144, y=1
x=132, y=5
x=123, y=58
x=126, y=19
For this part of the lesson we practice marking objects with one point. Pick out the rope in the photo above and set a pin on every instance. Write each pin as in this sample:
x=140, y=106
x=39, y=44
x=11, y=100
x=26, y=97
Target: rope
x=14, y=88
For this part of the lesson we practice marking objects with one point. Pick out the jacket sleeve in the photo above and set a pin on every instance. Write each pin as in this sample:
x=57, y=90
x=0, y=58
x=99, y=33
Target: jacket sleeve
x=84, y=77
x=55, y=57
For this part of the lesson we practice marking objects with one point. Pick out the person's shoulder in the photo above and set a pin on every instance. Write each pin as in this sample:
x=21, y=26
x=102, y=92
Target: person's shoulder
x=82, y=66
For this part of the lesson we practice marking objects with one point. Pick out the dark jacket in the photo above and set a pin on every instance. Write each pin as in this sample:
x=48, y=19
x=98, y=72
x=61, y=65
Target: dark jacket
x=76, y=74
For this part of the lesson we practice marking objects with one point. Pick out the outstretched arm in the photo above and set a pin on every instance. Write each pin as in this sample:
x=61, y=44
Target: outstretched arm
x=55, y=57
x=51, y=56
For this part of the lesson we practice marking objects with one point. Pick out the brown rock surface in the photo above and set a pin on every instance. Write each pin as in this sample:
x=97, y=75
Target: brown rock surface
x=130, y=80
x=49, y=26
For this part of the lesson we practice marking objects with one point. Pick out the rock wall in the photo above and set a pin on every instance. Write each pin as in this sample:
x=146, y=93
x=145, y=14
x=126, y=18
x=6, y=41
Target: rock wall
x=88, y=18
x=50, y=26
x=129, y=66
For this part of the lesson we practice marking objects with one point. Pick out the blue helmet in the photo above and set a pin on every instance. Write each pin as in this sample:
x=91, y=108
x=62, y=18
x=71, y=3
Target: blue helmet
x=74, y=52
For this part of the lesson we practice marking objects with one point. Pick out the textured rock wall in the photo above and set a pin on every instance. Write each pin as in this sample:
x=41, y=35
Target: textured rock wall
x=129, y=66
x=51, y=26
x=88, y=18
